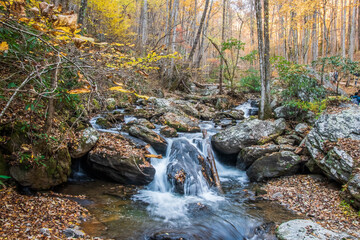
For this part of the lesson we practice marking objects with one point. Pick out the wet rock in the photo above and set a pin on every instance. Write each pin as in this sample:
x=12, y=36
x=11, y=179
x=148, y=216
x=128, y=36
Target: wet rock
x=86, y=141
x=249, y=155
x=188, y=171
x=142, y=122
x=274, y=165
x=205, y=112
x=180, y=123
x=149, y=136
x=73, y=233
x=167, y=131
x=55, y=171
x=187, y=107
x=235, y=114
x=335, y=163
x=103, y=123
x=118, y=159
x=245, y=134
x=115, y=117
x=307, y=229
x=170, y=235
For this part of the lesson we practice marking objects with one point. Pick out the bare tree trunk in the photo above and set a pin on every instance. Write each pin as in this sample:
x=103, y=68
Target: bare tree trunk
x=305, y=43
x=201, y=49
x=191, y=55
x=82, y=12
x=352, y=33
x=144, y=27
x=175, y=15
x=314, y=38
x=222, y=40
x=358, y=36
x=343, y=28
x=334, y=30
x=267, y=108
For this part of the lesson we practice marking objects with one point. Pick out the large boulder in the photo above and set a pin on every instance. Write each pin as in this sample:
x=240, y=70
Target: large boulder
x=249, y=155
x=180, y=123
x=188, y=171
x=307, y=230
x=354, y=188
x=45, y=174
x=149, y=136
x=274, y=165
x=167, y=131
x=329, y=142
x=247, y=133
x=86, y=140
x=118, y=159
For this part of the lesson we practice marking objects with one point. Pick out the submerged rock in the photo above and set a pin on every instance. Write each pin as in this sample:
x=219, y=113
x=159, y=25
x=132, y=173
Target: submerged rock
x=180, y=123
x=251, y=132
x=274, y=165
x=188, y=171
x=149, y=136
x=307, y=230
x=85, y=142
x=249, y=155
x=116, y=158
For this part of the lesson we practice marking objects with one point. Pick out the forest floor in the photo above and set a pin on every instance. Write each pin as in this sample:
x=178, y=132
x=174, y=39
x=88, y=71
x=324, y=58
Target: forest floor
x=41, y=216
x=317, y=198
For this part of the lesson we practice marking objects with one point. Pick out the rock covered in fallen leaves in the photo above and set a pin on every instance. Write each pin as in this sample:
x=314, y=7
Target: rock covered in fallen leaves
x=274, y=165
x=149, y=136
x=85, y=141
x=315, y=197
x=247, y=133
x=167, y=131
x=54, y=171
x=118, y=159
x=249, y=155
x=183, y=170
x=307, y=229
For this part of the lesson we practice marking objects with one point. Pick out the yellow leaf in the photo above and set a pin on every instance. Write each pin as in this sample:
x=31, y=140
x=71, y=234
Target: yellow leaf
x=4, y=47
x=79, y=91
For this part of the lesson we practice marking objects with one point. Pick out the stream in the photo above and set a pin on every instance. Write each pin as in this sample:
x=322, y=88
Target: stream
x=157, y=212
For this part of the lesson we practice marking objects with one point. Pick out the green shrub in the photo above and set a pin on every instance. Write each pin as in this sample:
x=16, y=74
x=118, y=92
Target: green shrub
x=251, y=81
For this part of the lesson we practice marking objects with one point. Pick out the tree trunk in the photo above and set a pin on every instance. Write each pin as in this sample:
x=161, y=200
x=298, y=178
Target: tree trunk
x=201, y=48
x=343, y=28
x=82, y=12
x=222, y=40
x=314, y=38
x=191, y=55
x=352, y=33
x=144, y=27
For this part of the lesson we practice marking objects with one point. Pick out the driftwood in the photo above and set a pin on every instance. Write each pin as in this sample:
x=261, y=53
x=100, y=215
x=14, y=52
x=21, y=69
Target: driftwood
x=211, y=159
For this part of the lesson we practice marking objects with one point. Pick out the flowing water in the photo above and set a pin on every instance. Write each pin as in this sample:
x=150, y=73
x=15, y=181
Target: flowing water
x=157, y=212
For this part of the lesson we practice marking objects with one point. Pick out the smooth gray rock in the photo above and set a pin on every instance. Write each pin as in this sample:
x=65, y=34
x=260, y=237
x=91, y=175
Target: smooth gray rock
x=274, y=165
x=249, y=155
x=301, y=128
x=354, y=188
x=307, y=230
x=247, y=133
x=149, y=136
x=83, y=145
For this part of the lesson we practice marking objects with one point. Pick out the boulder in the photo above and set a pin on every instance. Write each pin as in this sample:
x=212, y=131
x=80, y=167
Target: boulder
x=110, y=103
x=116, y=158
x=180, y=123
x=274, y=165
x=234, y=114
x=187, y=107
x=103, y=123
x=188, y=171
x=322, y=143
x=167, y=131
x=54, y=171
x=249, y=155
x=285, y=140
x=307, y=230
x=84, y=143
x=245, y=134
x=143, y=122
x=115, y=117
x=354, y=188
x=289, y=113
x=149, y=136
x=301, y=129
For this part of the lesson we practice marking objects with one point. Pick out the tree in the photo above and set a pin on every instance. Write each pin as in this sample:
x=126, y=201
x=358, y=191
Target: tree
x=222, y=40
x=264, y=57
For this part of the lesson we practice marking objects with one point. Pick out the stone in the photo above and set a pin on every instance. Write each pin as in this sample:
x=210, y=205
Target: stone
x=274, y=165
x=307, y=230
x=55, y=171
x=149, y=136
x=84, y=143
x=301, y=129
x=245, y=134
x=334, y=163
x=180, y=123
x=187, y=168
x=354, y=188
x=167, y=131
x=249, y=155
x=73, y=233
x=110, y=103
x=143, y=122
x=234, y=114
x=284, y=140
x=103, y=123
x=118, y=159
